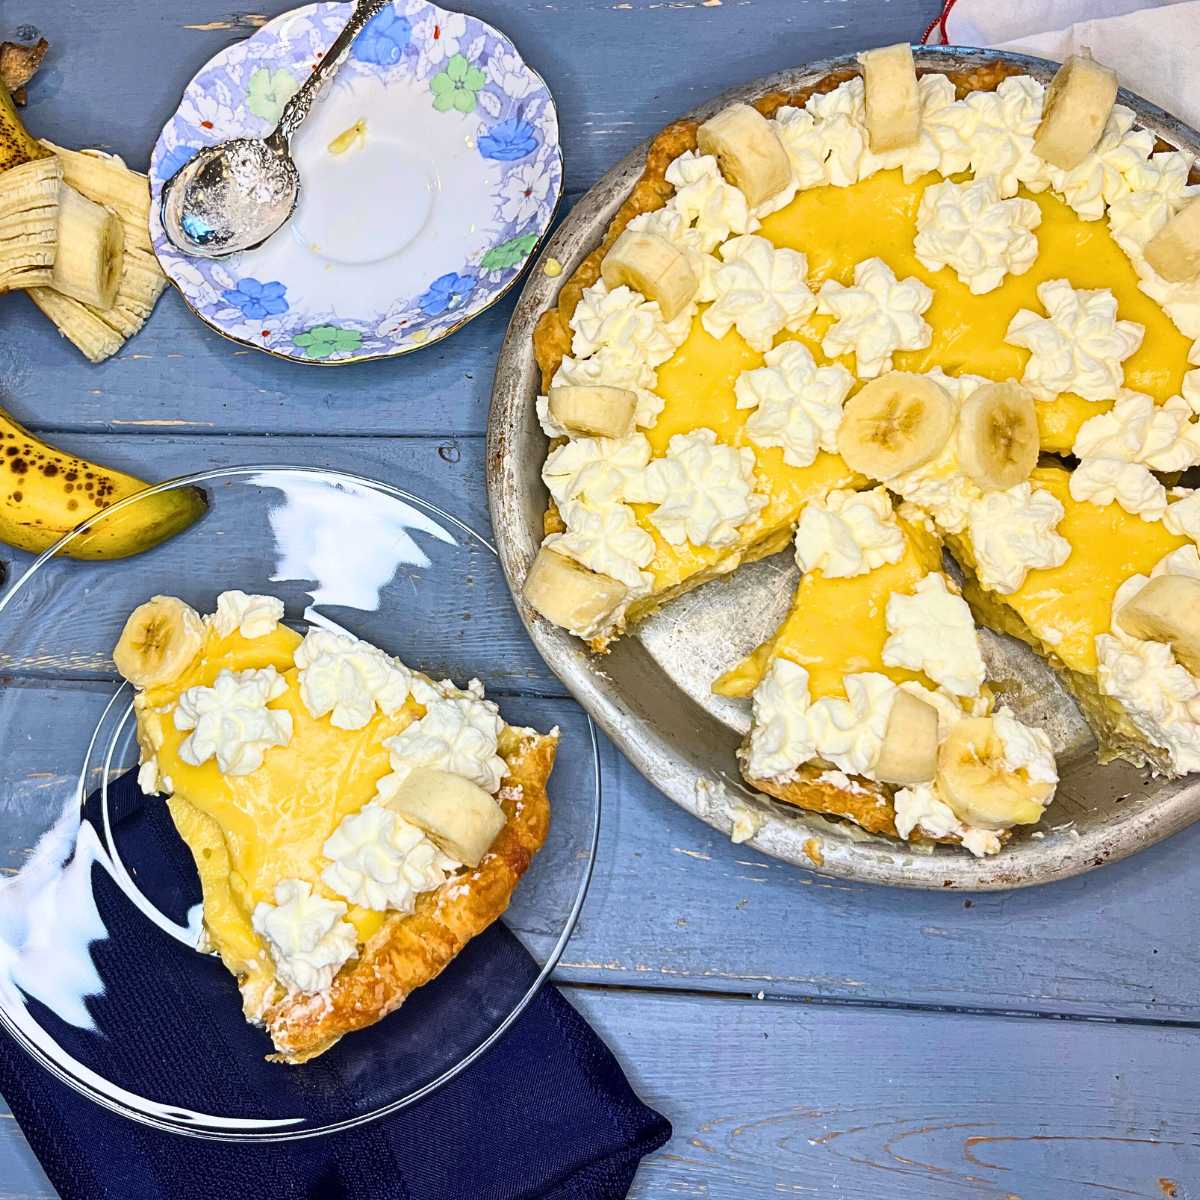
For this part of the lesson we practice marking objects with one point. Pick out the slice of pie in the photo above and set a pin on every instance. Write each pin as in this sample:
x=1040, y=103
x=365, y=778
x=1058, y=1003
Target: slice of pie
x=870, y=700
x=902, y=278
x=354, y=824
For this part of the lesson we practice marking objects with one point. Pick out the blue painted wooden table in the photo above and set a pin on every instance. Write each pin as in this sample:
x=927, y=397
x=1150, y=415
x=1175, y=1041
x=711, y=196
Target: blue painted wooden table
x=806, y=1037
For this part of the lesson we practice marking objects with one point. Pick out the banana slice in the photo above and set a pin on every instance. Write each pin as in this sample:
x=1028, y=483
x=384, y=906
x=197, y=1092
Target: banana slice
x=973, y=778
x=456, y=813
x=570, y=595
x=91, y=250
x=998, y=440
x=895, y=424
x=1076, y=109
x=1174, y=251
x=594, y=410
x=159, y=642
x=748, y=151
x=648, y=263
x=1167, y=610
x=910, y=742
x=890, y=97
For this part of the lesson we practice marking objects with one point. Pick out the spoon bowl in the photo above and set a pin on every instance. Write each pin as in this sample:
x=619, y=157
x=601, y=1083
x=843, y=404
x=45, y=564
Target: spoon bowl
x=230, y=197
x=233, y=196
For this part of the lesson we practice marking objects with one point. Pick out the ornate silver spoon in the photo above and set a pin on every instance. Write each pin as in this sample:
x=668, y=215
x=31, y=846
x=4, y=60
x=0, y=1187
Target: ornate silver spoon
x=235, y=195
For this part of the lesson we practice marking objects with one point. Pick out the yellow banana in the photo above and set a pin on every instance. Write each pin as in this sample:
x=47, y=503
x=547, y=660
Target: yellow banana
x=16, y=146
x=46, y=492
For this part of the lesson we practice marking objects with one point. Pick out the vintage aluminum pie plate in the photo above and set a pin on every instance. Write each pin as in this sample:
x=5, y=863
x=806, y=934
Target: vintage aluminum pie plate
x=651, y=693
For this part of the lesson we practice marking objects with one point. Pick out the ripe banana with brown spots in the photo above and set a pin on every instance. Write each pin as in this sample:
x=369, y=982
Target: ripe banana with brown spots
x=45, y=493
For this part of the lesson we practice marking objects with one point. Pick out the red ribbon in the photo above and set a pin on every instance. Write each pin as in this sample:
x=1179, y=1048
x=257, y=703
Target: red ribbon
x=939, y=24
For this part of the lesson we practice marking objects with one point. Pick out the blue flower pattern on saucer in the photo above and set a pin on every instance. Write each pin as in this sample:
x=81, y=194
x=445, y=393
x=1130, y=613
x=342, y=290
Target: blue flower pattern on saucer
x=509, y=118
x=257, y=300
x=177, y=158
x=509, y=140
x=446, y=293
x=383, y=40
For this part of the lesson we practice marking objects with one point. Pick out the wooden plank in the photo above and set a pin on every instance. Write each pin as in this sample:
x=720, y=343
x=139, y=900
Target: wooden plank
x=1118, y=943
x=617, y=75
x=227, y=551
x=771, y=1099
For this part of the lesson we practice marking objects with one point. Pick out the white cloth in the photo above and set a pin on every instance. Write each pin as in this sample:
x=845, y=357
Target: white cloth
x=1153, y=45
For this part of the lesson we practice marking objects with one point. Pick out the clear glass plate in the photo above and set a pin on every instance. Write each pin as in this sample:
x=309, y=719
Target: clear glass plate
x=82, y=889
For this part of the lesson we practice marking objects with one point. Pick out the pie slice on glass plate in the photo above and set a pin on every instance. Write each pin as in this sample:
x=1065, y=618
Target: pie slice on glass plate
x=354, y=823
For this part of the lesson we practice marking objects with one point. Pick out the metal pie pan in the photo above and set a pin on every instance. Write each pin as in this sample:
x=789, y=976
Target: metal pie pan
x=651, y=694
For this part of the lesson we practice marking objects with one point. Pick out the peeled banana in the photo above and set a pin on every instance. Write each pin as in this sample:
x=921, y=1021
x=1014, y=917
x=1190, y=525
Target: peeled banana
x=910, y=742
x=92, y=254
x=45, y=493
x=594, y=410
x=100, y=331
x=975, y=780
x=648, y=263
x=159, y=642
x=570, y=595
x=998, y=440
x=456, y=813
x=1076, y=109
x=1174, y=251
x=29, y=207
x=891, y=101
x=895, y=424
x=748, y=151
x=1167, y=610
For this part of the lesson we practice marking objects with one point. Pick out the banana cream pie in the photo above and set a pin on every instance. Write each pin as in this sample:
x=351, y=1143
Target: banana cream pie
x=354, y=823
x=897, y=288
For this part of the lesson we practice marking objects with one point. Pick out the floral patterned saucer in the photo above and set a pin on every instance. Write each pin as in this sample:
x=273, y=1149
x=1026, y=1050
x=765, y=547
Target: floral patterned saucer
x=430, y=170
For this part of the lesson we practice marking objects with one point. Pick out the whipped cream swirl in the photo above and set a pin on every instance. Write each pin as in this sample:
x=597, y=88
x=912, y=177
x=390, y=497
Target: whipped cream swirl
x=797, y=405
x=306, y=935
x=1136, y=430
x=848, y=533
x=1079, y=346
x=966, y=226
x=760, y=291
x=251, y=616
x=458, y=734
x=704, y=490
x=1013, y=533
x=1104, y=481
x=380, y=861
x=876, y=316
x=231, y=722
x=931, y=630
x=348, y=679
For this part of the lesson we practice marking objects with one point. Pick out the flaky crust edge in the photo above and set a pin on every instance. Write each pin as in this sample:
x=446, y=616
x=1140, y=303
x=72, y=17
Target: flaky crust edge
x=411, y=949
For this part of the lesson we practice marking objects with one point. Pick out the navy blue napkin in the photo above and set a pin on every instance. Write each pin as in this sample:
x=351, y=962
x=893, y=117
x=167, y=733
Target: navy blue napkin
x=545, y=1113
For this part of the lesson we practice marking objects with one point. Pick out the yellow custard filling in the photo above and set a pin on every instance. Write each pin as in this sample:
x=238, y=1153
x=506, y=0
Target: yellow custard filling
x=1066, y=606
x=249, y=832
x=838, y=627
x=696, y=385
x=839, y=227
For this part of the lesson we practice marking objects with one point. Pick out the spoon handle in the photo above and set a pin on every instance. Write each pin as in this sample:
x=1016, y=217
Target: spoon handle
x=297, y=107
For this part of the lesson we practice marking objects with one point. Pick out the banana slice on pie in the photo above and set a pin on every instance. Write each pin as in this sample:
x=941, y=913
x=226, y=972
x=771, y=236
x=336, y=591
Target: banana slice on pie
x=353, y=823
x=895, y=424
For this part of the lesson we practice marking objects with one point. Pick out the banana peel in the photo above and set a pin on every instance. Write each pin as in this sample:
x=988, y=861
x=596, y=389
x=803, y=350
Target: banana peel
x=17, y=146
x=19, y=62
x=45, y=493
